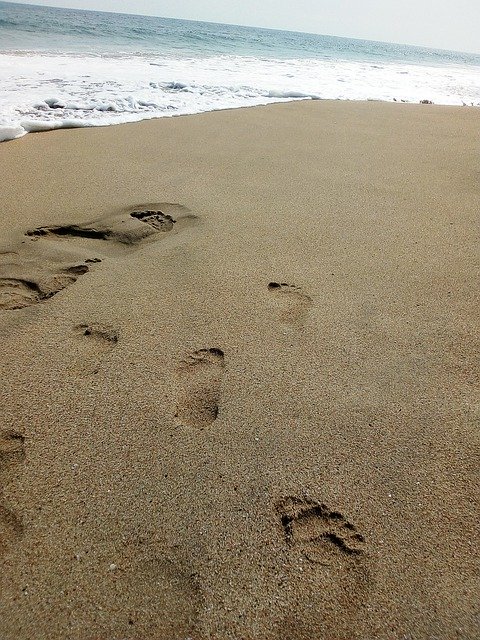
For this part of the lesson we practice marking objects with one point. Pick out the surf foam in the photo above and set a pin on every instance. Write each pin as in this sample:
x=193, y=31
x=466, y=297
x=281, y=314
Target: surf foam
x=42, y=91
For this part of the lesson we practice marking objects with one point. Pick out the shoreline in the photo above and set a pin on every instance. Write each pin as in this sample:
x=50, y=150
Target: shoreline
x=239, y=353
x=423, y=103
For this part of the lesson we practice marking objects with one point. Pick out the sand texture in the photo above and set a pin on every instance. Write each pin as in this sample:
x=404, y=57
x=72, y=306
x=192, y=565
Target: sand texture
x=239, y=384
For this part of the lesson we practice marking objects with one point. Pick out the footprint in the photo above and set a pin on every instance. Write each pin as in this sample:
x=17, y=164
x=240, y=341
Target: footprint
x=156, y=219
x=327, y=571
x=12, y=453
x=294, y=303
x=105, y=336
x=97, y=340
x=200, y=377
x=318, y=530
x=165, y=593
x=17, y=293
x=128, y=227
x=26, y=279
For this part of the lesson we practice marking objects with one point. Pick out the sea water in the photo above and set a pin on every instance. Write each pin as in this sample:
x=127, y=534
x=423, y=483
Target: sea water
x=71, y=68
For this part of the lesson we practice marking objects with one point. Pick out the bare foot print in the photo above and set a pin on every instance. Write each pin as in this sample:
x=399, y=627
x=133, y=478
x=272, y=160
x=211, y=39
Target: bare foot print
x=12, y=453
x=104, y=336
x=30, y=274
x=200, y=377
x=124, y=229
x=17, y=293
x=293, y=302
x=95, y=340
x=165, y=594
x=317, y=530
x=156, y=219
x=327, y=570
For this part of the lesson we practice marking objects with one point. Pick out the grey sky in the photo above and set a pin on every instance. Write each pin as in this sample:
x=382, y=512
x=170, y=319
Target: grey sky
x=446, y=24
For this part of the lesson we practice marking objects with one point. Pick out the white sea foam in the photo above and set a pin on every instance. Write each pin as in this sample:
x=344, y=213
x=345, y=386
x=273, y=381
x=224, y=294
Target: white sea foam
x=48, y=91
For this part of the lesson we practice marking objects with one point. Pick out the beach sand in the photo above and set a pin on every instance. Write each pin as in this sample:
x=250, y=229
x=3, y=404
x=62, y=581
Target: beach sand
x=250, y=413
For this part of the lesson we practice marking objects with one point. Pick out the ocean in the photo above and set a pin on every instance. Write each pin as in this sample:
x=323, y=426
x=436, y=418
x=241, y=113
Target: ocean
x=71, y=68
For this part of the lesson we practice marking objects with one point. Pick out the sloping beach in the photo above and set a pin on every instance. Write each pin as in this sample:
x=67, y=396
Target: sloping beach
x=249, y=411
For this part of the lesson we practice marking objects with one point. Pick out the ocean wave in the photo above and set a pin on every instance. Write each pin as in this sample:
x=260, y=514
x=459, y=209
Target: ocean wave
x=275, y=93
x=9, y=23
x=51, y=91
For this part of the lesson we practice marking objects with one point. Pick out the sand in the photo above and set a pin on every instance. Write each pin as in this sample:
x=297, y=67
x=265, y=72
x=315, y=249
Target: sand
x=248, y=411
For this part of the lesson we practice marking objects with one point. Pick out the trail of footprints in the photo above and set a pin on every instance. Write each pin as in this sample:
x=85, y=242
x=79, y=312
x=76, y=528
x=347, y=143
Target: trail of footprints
x=26, y=279
x=319, y=533
x=12, y=454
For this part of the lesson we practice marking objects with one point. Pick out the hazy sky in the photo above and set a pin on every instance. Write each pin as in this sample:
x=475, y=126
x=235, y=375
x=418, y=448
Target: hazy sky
x=446, y=24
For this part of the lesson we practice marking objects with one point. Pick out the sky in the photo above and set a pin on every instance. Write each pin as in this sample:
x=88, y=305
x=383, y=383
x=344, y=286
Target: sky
x=443, y=24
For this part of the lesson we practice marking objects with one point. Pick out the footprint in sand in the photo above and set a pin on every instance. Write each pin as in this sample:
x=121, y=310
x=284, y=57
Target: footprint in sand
x=17, y=293
x=318, y=530
x=29, y=279
x=95, y=340
x=12, y=453
x=165, y=595
x=293, y=302
x=103, y=336
x=156, y=219
x=327, y=564
x=200, y=377
x=124, y=229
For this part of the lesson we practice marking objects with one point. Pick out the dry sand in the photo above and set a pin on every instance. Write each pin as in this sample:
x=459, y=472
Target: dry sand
x=250, y=416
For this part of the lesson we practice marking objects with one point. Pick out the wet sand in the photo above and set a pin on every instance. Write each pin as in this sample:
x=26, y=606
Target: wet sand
x=250, y=410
